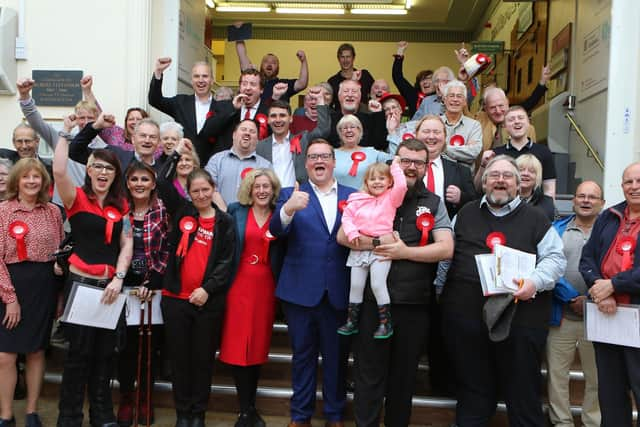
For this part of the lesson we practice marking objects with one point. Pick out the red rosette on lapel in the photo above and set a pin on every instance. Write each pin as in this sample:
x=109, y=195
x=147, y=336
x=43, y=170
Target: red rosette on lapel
x=267, y=238
x=294, y=144
x=357, y=157
x=425, y=223
x=112, y=215
x=625, y=247
x=18, y=230
x=188, y=225
x=407, y=135
x=244, y=172
x=495, y=238
x=262, y=126
x=210, y=114
x=457, y=140
x=341, y=205
x=421, y=96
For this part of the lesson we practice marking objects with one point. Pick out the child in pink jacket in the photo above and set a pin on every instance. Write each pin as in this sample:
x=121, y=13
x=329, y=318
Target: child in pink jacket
x=370, y=212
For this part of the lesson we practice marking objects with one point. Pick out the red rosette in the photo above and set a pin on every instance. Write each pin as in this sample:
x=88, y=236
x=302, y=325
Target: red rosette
x=262, y=125
x=244, y=172
x=111, y=215
x=457, y=140
x=294, y=144
x=210, y=114
x=495, y=238
x=357, y=157
x=17, y=230
x=188, y=225
x=267, y=238
x=625, y=247
x=421, y=96
x=341, y=205
x=482, y=59
x=425, y=223
x=407, y=135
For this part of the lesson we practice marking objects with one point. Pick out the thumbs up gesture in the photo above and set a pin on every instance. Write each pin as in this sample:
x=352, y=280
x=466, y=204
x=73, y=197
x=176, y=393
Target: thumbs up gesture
x=298, y=200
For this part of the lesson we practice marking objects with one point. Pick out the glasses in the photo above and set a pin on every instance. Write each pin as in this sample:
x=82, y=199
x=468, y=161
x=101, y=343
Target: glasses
x=587, y=197
x=417, y=163
x=101, y=167
x=318, y=156
x=23, y=140
x=349, y=127
x=152, y=137
x=455, y=96
x=504, y=175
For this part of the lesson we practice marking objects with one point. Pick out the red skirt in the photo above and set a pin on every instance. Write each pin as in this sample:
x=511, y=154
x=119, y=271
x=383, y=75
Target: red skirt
x=249, y=314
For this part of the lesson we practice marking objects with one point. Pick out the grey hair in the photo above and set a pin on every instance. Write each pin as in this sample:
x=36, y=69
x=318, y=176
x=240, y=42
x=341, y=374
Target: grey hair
x=452, y=84
x=442, y=69
x=6, y=163
x=493, y=90
x=506, y=158
x=172, y=126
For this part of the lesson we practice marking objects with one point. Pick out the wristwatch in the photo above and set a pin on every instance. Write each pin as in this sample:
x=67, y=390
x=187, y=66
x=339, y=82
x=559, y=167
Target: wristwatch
x=65, y=135
x=120, y=275
x=375, y=242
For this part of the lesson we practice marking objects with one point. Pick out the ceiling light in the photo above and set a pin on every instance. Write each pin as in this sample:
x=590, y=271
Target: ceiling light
x=408, y=4
x=378, y=10
x=313, y=11
x=210, y=4
x=230, y=7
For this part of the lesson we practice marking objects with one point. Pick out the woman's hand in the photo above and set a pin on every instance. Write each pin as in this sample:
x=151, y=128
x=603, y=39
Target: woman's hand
x=144, y=293
x=12, y=315
x=57, y=270
x=199, y=297
x=112, y=291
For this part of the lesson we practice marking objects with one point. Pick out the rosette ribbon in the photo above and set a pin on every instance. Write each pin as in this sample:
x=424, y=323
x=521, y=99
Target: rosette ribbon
x=187, y=226
x=425, y=223
x=112, y=216
x=18, y=230
x=357, y=157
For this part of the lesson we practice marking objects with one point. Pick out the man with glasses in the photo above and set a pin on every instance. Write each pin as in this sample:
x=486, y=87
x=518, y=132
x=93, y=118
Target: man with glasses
x=346, y=57
x=25, y=141
x=508, y=357
x=385, y=370
x=145, y=139
x=314, y=284
x=433, y=104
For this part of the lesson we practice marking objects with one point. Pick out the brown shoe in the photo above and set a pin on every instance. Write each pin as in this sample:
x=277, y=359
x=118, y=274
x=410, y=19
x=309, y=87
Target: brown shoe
x=334, y=424
x=299, y=424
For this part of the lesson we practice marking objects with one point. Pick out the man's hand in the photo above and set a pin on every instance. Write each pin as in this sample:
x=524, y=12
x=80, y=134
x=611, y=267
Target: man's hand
x=356, y=75
x=608, y=305
x=545, y=76
x=316, y=93
x=69, y=122
x=198, y=297
x=161, y=65
x=279, y=89
x=453, y=194
x=486, y=157
x=298, y=200
x=111, y=292
x=374, y=106
x=401, y=47
x=393, y=121
x=526, y=291
x=601, y=289
x=301, y=55
x=11, y=315
x=86, y=83
x=577, y=305
x=24, y=86
x=185, y=146
x=104, y=121
x=239, y=100
x=462, y=54
x=393, y=250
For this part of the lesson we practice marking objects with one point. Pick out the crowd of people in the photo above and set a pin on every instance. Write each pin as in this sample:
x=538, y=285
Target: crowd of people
x=360, y=214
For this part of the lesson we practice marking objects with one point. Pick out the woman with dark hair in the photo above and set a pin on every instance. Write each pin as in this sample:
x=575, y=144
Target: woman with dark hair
x=422, y=87
x=250, y=310
x=149, y=220
x=30, y=231
x=103, y=246
x=201, y=246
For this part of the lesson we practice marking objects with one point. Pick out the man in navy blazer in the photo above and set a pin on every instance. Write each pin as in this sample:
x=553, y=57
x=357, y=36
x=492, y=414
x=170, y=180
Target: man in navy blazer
x=314, y=284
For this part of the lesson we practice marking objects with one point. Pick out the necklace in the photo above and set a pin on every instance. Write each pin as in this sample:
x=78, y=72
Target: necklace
x=139, y=214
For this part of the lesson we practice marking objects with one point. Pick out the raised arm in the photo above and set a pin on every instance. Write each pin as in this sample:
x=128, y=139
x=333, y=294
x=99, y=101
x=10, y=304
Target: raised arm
x=64, y=183
x=243, y=58
x=79, y=150
x=406, y=89
x=303, y=77
x=86, y=83
x=155, y=97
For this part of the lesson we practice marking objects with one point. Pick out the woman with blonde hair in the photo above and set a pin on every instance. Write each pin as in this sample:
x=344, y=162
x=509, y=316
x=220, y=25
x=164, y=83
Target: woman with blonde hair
x=531, y=185
x=30, y=231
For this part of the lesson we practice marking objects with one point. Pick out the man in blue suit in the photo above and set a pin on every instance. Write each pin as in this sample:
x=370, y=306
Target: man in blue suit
x=314, y=284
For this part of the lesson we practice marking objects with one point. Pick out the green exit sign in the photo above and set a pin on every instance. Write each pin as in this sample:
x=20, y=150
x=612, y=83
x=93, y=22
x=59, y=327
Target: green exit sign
x=487, y=47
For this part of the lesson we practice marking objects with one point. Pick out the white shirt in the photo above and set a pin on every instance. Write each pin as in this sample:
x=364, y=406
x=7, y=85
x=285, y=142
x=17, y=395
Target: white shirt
x=438, y=177
x=252, y=111
x=202, y=108
x=328, y=202
x=282, y=160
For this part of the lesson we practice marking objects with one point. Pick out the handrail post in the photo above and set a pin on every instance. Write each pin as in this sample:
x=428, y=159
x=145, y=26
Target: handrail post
x=590, y=148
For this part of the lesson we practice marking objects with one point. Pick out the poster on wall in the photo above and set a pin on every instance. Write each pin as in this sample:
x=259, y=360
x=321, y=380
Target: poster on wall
x=594, y=36
x=191, y=46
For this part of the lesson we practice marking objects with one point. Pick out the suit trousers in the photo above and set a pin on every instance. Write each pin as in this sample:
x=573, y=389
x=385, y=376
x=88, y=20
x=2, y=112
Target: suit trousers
x=561, y=350
x=618, y=373
x=313, y=331
x=191, y=338
x=484, y=368
x=385, y=369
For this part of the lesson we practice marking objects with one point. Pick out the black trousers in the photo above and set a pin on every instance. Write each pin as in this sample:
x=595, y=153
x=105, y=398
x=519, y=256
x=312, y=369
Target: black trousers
x=483, y=368
x=618, y=372
x=246, y=379
x=385, y=370
x=128, y=358
x=192, y=336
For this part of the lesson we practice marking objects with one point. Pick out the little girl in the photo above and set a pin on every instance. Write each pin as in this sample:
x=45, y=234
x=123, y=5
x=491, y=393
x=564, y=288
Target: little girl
x=370, y=212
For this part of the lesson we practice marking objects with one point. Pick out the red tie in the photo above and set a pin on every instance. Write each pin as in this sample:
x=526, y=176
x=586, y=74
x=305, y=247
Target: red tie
x=431, y=181
x=247, y=114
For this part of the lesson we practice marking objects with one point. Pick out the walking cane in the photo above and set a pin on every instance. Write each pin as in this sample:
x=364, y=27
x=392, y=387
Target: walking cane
x=149, y=385
x=139, y=365
x=144, y=329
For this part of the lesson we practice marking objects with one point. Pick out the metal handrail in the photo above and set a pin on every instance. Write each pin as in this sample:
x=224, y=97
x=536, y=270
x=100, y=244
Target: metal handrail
x=590, y=148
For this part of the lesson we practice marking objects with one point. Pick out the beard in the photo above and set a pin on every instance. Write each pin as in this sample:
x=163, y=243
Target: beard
x=499, y=201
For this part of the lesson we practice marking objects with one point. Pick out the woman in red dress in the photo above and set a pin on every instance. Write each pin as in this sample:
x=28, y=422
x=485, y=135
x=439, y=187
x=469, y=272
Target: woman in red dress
x=250, y=308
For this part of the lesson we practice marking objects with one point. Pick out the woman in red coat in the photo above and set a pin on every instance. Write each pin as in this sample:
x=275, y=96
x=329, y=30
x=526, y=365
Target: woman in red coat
x=250, y=308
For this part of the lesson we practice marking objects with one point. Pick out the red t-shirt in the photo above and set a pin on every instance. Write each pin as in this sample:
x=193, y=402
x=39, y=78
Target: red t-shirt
x=195, y=262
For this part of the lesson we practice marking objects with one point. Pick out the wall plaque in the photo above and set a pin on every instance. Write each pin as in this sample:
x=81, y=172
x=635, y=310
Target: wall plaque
x=57, y=88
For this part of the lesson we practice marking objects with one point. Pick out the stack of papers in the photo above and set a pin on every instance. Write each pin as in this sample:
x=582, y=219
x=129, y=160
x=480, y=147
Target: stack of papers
x=498, y=270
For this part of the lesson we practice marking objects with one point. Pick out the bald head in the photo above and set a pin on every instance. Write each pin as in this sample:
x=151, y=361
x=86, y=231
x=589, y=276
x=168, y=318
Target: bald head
x=588, y=201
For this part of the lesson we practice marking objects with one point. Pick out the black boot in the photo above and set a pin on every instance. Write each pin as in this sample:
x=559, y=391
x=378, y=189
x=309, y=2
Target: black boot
x=385, y=328
x=183, y=420
x=197, y=420
x=100, y=402
x=256, y=419
x=351, y=327
x=74, y=380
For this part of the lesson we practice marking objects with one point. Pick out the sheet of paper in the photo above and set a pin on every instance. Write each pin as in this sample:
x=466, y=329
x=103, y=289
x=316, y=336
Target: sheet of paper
x=133, y=305
x=487, y=271
x=84, y=307
x=512, y=264
x=621, y=328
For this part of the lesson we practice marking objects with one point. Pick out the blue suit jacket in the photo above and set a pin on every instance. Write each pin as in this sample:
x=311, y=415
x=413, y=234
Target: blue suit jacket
x=314, y=262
